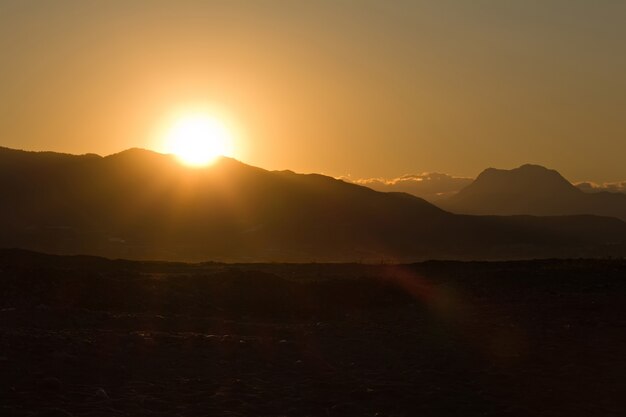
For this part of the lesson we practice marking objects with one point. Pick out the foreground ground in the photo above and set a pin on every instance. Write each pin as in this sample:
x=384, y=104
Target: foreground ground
x=91, y=337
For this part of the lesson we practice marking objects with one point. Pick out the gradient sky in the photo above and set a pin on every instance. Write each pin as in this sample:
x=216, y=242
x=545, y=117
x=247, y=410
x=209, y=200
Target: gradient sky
x=366, y=88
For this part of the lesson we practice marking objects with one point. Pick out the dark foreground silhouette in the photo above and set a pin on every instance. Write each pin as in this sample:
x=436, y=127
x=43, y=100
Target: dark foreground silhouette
x=83, y=336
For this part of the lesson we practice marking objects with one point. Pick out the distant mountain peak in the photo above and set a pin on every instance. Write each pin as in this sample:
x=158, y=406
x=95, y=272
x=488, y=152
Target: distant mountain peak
x=530, y=189
x=518, y=179
x=526, y=169
x=534, y=167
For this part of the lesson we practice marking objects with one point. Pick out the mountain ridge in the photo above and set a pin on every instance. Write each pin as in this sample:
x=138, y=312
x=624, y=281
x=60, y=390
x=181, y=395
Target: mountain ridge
x=140, y=204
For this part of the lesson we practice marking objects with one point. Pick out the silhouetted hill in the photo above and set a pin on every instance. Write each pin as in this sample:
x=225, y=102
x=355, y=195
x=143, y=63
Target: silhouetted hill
x=533, y=190
x=144, y=205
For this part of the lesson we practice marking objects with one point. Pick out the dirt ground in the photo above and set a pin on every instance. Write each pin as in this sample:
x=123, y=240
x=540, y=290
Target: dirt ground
x=91, y=337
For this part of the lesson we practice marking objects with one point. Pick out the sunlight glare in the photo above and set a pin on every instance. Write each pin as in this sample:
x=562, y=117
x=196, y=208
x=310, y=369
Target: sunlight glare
x=198, y=140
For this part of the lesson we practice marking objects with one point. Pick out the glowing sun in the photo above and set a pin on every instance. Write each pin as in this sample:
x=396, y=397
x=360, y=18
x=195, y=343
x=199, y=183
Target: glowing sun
x=198, y=140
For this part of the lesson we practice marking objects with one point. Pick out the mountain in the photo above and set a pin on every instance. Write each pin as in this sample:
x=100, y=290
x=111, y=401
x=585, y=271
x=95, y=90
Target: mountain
x=531, y=190
x=144, y=205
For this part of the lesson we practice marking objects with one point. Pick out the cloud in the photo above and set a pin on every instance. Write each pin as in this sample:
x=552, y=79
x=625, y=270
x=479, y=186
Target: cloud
x=430, y=186
x=592, y=187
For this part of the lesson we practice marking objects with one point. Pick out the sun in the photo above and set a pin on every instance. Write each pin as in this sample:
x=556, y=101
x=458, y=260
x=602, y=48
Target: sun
x=198, y=140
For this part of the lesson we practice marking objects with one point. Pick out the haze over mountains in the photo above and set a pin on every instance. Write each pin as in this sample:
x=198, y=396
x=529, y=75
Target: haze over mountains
x=144, y=205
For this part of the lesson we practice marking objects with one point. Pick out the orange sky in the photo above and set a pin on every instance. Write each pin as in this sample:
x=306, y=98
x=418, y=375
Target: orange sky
x=366, y=88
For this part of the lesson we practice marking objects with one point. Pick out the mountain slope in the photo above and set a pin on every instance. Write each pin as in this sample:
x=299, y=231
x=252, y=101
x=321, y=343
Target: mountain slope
x=144, y=205
x=531, y=190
